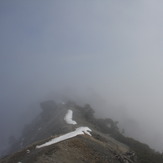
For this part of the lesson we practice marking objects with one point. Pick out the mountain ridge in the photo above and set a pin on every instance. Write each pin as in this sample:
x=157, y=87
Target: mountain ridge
x=104, y=144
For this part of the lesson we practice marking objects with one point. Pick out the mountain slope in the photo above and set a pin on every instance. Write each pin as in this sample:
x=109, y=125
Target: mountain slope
x=54, y=136
x=79, y=149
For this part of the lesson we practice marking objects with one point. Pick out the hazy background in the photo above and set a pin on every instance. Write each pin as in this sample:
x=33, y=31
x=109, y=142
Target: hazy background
x=108, y=53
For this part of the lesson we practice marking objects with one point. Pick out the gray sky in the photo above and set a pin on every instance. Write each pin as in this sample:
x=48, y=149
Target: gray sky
x=108, y=52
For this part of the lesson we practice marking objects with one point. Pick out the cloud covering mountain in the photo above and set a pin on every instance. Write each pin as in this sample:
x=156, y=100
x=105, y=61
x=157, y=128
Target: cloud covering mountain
x=107, y=53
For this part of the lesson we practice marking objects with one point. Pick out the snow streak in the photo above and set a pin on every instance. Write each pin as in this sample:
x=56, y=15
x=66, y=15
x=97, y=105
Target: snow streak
x=78, y=131
x=68, y=118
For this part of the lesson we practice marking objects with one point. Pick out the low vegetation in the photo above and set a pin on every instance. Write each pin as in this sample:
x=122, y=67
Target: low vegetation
x=144, y=153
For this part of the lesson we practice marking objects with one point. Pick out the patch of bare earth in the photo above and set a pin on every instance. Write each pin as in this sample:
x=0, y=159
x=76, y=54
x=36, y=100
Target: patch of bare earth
x=80, y=149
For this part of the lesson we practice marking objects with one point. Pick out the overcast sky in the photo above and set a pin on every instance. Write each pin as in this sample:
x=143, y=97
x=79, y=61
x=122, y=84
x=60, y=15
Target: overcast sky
x=109, y=52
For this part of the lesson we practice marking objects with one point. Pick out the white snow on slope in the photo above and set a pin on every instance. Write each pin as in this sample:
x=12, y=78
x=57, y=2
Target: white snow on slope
x=68, y=118
x=78, y=131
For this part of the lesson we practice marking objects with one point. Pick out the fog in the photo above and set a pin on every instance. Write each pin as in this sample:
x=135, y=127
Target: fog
x=107, y=53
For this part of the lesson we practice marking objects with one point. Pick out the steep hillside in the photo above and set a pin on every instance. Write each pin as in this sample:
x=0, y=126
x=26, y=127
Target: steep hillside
x=70, y=133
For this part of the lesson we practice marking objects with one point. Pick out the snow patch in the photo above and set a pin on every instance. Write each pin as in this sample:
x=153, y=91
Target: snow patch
x=78, y=131
x=68, y=118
